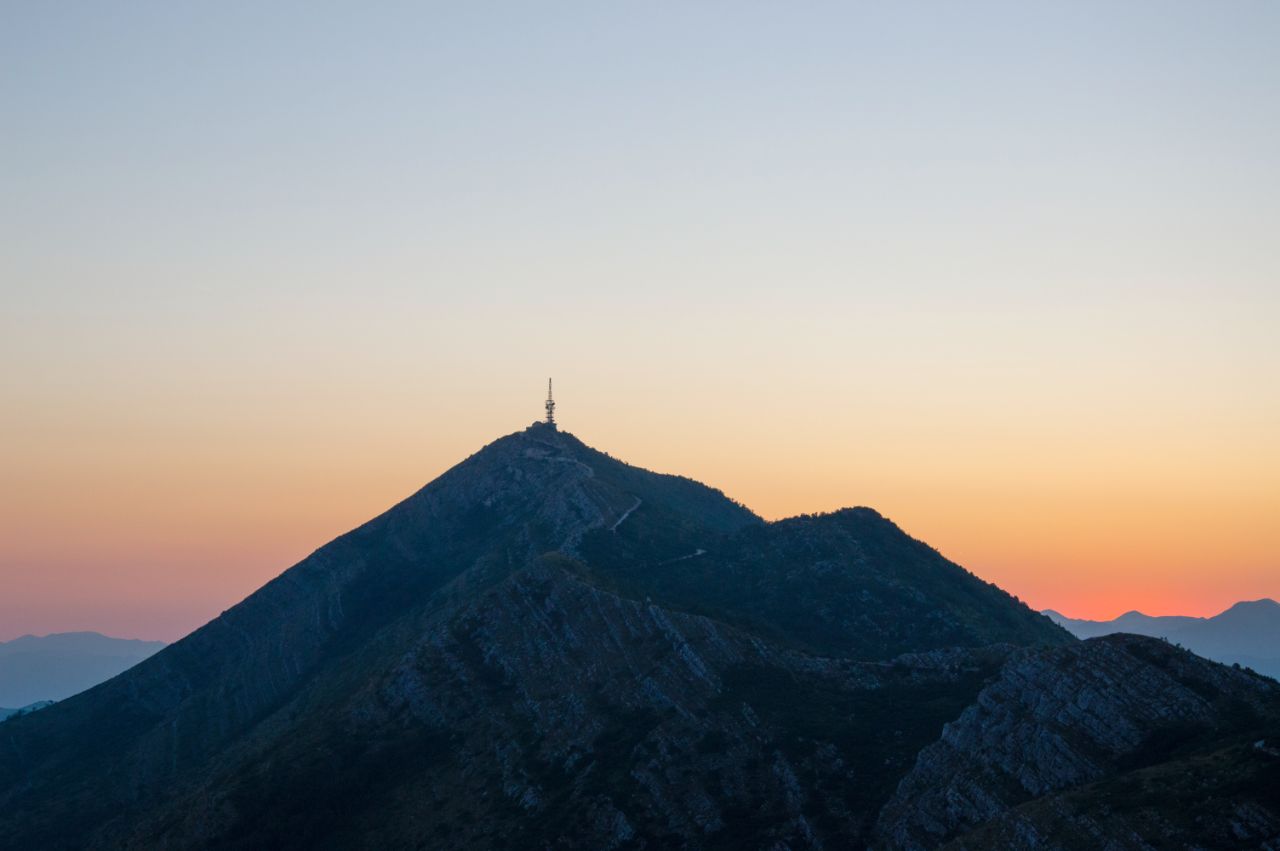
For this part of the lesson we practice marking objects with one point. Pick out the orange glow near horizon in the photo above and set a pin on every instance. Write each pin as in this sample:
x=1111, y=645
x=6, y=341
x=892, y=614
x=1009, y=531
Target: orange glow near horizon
x=155, y=531
x=145, y=495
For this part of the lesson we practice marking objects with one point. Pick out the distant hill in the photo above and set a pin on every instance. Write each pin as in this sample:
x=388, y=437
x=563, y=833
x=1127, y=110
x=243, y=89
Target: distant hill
x=53, y=667
x=1248, y=633
x=9, y=713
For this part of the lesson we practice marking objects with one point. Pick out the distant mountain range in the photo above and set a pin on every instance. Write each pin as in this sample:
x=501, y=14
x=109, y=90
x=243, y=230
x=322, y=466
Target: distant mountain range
x=53, y=667
x=1247, y=634
x=548, y=648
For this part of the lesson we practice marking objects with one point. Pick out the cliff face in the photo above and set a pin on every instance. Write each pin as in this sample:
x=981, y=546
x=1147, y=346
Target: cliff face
x=546, y=647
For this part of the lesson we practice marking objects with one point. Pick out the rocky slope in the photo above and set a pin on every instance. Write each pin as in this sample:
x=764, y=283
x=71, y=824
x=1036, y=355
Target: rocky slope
x=524, y=495
x=550, y=713
x=1228, y=797
x=548, y=648
x=1060, y=719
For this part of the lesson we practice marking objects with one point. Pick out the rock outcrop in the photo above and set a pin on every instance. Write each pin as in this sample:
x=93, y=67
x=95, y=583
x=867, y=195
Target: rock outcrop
x=1065, y=718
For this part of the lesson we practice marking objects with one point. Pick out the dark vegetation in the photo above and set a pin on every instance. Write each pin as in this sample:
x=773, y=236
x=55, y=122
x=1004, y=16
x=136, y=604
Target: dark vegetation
x=1202, y=798
x=849, y=583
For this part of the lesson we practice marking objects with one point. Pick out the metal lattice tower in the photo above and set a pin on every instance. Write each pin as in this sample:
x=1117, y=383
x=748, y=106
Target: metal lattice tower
x=551, y=405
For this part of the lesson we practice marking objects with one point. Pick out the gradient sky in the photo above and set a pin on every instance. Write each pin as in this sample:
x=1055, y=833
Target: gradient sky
x=1009, y=273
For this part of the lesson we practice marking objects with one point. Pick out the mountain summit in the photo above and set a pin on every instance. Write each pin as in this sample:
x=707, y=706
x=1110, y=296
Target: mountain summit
x=547, y=647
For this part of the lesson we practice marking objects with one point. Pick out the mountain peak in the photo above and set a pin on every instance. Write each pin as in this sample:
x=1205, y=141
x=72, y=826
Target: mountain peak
x=542, y=425
x=535, y=565
x=1264, y=612
x=1265, y=604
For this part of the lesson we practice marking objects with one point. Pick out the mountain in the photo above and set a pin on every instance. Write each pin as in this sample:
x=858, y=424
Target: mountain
x=548, y=648
x=1132, y=622
x=53, y=667
x=1246, y=634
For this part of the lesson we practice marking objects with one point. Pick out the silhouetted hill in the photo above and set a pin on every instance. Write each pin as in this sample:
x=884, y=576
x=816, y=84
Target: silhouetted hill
x=548, y=648
x=53, y=667
x=1247, y=634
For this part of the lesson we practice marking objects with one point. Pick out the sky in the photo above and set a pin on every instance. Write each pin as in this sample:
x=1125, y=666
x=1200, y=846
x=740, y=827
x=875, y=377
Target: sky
x=1006, y=272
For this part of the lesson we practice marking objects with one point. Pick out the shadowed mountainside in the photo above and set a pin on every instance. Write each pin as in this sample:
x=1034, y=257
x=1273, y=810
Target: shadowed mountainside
x=546, y=647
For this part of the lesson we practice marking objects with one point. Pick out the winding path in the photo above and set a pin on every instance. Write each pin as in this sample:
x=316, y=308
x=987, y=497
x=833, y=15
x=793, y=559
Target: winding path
x=625, y=515
x=694, y=554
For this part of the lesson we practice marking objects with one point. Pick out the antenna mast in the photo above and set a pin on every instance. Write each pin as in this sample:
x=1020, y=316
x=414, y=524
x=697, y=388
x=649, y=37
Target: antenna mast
x=551, y=406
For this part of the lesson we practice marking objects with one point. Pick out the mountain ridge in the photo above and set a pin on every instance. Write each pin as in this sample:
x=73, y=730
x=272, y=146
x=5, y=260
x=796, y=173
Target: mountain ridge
x=550, y=647
x=56, y=666
x=1245, y=633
